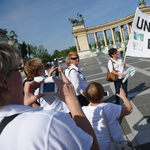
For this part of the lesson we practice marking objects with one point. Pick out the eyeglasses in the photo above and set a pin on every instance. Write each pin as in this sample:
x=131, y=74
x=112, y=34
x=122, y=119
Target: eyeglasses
x=75, y=58
x=19, y=68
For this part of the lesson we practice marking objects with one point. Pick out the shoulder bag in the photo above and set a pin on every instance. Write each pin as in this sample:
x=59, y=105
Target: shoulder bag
x=117, y=145
x=110, y=76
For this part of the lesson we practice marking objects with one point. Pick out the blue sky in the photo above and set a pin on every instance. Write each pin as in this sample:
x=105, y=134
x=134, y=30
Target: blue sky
x=45, y=22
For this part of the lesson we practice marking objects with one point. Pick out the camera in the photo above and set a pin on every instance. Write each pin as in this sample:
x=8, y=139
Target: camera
x=48, y=87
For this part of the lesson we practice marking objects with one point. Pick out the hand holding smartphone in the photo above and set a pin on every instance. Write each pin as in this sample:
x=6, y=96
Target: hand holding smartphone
x=56, y=63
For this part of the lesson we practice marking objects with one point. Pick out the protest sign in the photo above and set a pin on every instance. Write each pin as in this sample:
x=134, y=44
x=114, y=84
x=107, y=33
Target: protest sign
x=139, y=41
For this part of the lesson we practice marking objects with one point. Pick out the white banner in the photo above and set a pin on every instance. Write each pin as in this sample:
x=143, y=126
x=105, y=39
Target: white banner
x=139, y=41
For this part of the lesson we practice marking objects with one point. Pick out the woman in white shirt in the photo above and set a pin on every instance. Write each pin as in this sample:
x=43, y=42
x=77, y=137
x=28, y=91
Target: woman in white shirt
x=69, y=65
x=77, y=78
x=118, y=65
x=94, y=94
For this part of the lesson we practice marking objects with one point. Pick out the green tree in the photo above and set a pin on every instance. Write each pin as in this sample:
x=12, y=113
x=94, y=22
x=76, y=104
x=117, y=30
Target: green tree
x=55, y=54
x=118, y=36
x=40, y=52
x=33, y=50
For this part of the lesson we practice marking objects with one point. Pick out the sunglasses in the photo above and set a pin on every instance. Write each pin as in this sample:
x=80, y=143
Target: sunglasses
x=115, y=52
x=75, y=58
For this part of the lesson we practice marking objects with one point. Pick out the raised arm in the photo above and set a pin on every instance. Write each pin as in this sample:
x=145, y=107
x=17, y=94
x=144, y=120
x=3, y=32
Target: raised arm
x=29, y=89
x=127, y=109
x=53, y=68
x=67, y=94
x=64, y=78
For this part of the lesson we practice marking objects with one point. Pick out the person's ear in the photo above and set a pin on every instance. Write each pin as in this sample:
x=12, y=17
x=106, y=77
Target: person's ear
x=4, y=84
x=39, y=72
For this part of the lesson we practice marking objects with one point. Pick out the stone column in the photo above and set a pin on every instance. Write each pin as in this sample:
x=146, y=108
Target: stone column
x=128, y=28
x=120, y=28
x=77, y=46
x=113, y=37
x=105, y=39
x=123, y=34
x=95, y=36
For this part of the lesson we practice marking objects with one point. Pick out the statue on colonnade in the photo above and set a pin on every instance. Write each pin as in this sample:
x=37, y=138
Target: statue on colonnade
x=12, y=35
x=141, y=2
x=76, y=21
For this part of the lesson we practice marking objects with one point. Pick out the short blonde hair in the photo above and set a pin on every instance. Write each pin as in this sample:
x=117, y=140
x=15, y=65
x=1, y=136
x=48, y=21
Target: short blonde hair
x=67, y=61
x=94, y=92
x=73, y=53
x=32, y=67
x=10, y=58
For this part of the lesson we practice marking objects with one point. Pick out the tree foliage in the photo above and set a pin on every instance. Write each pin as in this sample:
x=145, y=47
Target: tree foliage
x=42, y=53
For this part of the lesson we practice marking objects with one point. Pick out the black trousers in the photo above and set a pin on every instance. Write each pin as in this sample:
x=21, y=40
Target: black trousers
x=83, y=101
x=118, y=85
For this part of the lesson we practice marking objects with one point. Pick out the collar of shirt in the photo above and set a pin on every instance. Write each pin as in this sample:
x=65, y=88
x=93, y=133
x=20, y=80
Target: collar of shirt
x=39, y=78
x=114, y=61
x=12, y=109
x=76, y=68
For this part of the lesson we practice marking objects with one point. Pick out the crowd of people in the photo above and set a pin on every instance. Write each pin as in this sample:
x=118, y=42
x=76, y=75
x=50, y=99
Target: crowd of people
x=72, y=120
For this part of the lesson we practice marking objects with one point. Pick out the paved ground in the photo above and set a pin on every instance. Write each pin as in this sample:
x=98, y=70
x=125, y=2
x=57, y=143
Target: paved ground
x=137, y=124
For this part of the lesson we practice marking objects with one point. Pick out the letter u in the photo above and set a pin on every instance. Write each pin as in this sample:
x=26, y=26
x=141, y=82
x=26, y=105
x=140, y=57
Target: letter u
x=137, y=25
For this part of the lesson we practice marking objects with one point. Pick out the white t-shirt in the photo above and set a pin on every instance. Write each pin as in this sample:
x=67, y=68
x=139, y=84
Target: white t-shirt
x=96, y=118
x=117, y=65
x=38, y=129
x=77, y=79
x=46, y=73
x=67, y=73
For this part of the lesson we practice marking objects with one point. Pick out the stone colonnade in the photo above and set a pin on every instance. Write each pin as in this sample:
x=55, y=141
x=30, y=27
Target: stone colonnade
x=3, y=36
x=81, y=34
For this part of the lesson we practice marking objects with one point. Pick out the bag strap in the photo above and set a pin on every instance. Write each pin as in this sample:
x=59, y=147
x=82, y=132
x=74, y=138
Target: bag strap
x=111, y=138
x=105, y=118
x=6, y=120
x=76, y=71
x=122, y=129
x=112, y=64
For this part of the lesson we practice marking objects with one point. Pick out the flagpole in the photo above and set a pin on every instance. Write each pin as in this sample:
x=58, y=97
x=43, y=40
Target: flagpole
x=123, y=61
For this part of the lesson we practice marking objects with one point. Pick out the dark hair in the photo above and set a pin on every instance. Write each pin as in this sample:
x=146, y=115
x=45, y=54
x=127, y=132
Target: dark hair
x=94, y=92
x=112, y=51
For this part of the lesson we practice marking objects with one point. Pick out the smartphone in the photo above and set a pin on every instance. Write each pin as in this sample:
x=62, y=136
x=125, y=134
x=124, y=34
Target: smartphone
x=48, y=87
x=106, y=93
x=56, y=63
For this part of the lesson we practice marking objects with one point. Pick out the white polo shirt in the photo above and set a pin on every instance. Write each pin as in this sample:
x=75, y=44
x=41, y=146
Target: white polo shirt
x=117, y=66
x=77, y=79
x=38, y=129
x=67, y=73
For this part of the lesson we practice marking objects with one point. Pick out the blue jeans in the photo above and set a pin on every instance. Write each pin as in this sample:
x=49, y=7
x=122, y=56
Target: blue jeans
x=117, y=88
x=121, y=54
